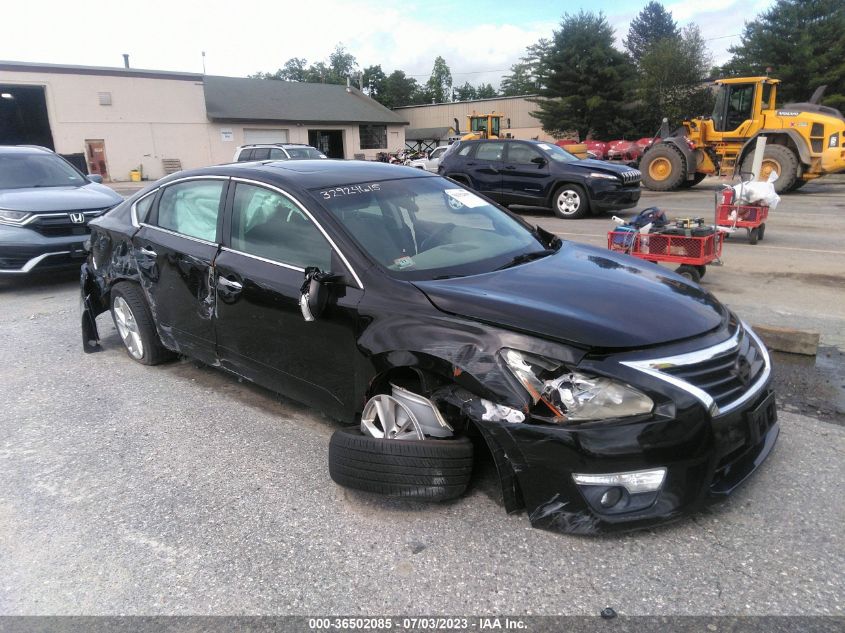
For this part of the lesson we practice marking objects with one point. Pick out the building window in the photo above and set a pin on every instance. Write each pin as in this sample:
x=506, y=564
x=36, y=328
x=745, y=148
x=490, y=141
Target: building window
x=373, y=136
x=104, y=97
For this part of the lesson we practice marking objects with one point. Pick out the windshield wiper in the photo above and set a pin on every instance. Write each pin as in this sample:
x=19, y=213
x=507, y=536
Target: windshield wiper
x=527, y=257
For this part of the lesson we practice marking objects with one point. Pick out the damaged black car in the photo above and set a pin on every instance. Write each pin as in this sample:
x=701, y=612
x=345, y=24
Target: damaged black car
x=611, y=393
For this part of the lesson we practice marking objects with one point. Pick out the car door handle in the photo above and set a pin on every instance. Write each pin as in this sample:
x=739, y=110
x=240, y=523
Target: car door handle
x=228, y=284
x=510, y=167
x=148, y=252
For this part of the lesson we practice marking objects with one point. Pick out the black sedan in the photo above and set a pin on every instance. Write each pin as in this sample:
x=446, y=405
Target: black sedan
x=45, y=207
x=611, y=393
x=541, y=174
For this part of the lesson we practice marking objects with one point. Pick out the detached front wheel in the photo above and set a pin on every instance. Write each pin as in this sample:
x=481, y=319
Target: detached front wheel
x=423, y=469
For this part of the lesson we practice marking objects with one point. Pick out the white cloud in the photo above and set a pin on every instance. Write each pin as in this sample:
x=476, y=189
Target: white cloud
x=253, y=35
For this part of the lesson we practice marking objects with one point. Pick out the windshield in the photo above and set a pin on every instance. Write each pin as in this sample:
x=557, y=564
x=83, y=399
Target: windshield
x=304, y=152
x=556, y=153
x=428, y=228
x=19, y=171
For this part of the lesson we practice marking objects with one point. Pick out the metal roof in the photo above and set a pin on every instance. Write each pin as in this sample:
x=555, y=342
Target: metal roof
x=236, y=99
x=428, y=133
x=65, y=69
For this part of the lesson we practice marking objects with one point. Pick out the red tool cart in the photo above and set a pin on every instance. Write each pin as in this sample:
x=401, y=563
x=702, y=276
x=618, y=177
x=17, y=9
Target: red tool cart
x=730, y=215
x=692, y=252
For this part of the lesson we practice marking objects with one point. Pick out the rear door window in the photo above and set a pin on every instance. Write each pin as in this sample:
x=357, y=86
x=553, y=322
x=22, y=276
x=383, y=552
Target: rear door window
x=490, y=151
x=245, y=156
x=192, y=208
x=261, y=153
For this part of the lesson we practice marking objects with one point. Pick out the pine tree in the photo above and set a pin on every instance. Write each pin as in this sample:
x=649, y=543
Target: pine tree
x=652, y=24
x=803, y=42
x=586, y=79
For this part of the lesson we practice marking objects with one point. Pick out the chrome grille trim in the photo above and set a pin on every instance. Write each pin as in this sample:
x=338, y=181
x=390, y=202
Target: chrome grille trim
x=656, y=367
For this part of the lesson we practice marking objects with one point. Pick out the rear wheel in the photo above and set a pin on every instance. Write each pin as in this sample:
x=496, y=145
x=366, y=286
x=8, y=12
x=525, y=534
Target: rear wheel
x=753, y=235
x=663, y=168
x=570, y=202
x=702, y=270
x=690, y=272
x=761, y=231
x=779, y=159
x=423, y=469
x=135, y=325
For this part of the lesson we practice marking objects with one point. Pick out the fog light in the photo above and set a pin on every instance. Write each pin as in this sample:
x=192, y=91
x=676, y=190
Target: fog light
x=634, y=482
x=611, y=497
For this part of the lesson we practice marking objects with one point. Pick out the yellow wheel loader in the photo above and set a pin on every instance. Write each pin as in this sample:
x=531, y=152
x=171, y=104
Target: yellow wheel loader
x=803, y=140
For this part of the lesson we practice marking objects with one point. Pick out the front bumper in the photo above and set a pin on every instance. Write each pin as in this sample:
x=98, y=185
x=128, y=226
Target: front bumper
x=613, y=199
x=705, y=460
x=23, y=250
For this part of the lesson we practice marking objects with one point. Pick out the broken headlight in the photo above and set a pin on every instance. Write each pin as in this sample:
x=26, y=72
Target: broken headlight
x=573, y=396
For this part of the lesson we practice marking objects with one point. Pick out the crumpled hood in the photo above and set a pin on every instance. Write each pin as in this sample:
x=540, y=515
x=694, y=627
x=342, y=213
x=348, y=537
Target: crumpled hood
x=48, y=199
x=584, y=295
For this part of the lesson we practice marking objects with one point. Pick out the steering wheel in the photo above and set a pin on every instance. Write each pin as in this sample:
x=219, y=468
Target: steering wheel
x=438, y=233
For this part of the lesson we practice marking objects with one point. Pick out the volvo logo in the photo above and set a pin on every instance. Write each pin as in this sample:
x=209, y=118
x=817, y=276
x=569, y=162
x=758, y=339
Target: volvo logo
x=77, y=218
x=742, y=369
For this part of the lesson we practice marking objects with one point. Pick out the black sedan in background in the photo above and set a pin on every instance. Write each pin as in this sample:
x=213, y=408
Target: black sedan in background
x=611, y=393
x=45, y=207
x=541, y=174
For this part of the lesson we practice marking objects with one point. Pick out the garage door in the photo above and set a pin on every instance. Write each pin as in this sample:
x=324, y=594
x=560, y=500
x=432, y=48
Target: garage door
x=254, y=135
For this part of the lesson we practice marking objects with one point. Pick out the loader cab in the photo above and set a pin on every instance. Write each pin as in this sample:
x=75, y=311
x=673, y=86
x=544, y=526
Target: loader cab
x=484, y=125
x=739, y=102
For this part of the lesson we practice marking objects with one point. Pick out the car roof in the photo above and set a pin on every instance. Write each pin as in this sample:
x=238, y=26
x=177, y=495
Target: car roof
x=309, y=174
x=24, y=149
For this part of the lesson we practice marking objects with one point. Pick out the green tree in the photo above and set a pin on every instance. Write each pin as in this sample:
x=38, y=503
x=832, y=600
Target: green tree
x=485, y=91
x=465, y=92
x=586, y=79
x=520, y=81
x=653, y=24
x=803, y=42
x=374, y=79
x=439, y=86
x=670, y=83
x=400, y=90
x=342, y=64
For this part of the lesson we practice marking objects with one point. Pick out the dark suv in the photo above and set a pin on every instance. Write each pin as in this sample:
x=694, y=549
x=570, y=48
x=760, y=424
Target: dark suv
x=540, y=174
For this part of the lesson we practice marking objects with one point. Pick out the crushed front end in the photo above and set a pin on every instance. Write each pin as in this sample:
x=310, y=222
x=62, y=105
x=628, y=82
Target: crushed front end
x=687, y=424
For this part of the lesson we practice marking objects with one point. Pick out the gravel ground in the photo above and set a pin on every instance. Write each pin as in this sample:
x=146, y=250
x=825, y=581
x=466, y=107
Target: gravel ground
x=179, y=490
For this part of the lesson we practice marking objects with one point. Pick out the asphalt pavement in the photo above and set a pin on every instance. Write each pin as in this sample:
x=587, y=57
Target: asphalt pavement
x=178, y=489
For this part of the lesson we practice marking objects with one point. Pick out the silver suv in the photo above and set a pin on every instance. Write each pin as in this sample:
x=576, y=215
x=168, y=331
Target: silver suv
x=276, y=151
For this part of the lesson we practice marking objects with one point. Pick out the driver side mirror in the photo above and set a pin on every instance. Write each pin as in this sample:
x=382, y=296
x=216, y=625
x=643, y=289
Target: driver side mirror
x=95, y=178
x=314, y=293
x=538, y=160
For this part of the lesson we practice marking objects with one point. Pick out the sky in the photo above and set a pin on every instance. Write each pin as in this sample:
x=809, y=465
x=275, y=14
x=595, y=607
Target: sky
x=479, y=39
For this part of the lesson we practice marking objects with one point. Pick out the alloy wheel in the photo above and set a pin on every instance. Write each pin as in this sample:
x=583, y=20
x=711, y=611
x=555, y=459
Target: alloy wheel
x=385, y=417
x=128, y=329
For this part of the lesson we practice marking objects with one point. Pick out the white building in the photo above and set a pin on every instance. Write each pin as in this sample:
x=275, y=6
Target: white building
x=113, y=120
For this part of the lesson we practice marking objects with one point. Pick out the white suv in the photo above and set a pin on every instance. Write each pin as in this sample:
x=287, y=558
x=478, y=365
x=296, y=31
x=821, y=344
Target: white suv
x=276, y=151
x=431, y=163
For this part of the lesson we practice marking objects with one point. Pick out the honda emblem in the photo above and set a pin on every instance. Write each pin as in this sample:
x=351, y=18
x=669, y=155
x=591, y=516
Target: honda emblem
x=77, y=218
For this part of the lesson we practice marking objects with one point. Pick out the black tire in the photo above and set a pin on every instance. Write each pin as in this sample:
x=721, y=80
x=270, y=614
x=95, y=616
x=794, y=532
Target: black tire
x=570, y=202
x=152, y=351
x=761, y=231
x=798, y=184
x=702, y=270
x=753, y=236
x=690, y=272
x=787, y=163
x=429, y=469
x=689, y=184
x=668, y=156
